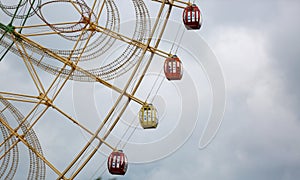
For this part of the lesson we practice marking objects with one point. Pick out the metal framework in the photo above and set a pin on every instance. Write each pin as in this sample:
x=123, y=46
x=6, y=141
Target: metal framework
x=90, y=38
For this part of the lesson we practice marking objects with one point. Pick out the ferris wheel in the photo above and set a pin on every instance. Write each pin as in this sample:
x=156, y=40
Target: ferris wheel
x=68, y=40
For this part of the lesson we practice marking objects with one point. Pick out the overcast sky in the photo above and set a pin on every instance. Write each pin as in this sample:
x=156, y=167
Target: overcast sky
x=257, y=45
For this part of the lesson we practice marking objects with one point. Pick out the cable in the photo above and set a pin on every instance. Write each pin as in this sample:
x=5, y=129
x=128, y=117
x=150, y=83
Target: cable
x=153, y=84
x=175, y=39
x=180, y=41
x=157, y=89
x=134, y=120
x=98, y=169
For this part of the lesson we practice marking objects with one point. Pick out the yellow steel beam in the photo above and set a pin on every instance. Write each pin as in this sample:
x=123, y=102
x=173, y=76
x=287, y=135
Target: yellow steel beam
x=76, y=67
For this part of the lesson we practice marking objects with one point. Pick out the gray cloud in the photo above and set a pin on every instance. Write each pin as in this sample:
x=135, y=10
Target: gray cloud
x=284, y=46
x=257, y=44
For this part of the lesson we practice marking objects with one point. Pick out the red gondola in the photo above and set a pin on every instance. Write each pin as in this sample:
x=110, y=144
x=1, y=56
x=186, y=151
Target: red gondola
x=192, y=18
x=117, y=163
x=173, y=68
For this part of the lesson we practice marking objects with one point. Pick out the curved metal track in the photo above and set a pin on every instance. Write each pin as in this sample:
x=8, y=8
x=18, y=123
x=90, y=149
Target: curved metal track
x=22, y=4
x=10, y=160
x=37, y=168
x=116, y=67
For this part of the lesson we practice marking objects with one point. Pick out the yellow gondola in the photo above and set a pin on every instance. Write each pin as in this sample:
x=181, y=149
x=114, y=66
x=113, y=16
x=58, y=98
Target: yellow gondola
x=148, y=116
